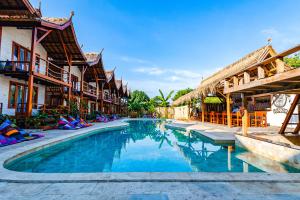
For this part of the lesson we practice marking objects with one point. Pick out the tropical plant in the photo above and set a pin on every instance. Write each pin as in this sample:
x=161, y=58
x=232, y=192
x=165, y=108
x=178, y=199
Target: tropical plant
x=162, y=100
x=74, y=110
x=180, y=93
x=138, y=102
x=293, y=61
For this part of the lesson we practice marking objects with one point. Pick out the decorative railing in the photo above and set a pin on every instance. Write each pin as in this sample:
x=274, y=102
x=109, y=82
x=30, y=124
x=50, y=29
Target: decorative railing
x=14, y=66
x=89, y=89
x=53, y=71
x=44, y=67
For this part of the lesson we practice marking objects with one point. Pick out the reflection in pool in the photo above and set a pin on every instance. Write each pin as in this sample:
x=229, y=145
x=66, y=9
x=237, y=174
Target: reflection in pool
x=145, y=146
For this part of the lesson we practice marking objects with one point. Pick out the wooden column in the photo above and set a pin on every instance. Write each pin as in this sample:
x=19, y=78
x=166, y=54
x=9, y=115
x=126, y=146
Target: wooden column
x=81, y=88
x=101, y=100
x=235, y=81
x=245, y=115
x=246, y=77
x=202, y=108
x=70, y=88
x=279, y=66
x=228, y=109
x=31, y=69
x=260, y=72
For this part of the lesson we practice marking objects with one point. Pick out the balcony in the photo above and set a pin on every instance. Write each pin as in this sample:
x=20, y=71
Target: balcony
x=44, y=72
x=89, y=89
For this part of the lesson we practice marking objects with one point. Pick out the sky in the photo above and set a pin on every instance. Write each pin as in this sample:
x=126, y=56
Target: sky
x=174, y=44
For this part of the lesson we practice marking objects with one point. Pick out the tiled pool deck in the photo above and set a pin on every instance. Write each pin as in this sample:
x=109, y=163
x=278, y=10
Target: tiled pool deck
x=18, y=185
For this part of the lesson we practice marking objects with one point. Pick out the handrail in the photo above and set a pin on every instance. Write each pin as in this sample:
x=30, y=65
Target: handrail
x=54, y=71
x=89, y=88
x=10, y=65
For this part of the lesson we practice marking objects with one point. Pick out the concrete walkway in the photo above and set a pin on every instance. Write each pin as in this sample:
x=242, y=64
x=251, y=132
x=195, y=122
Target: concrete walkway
x=151, y=191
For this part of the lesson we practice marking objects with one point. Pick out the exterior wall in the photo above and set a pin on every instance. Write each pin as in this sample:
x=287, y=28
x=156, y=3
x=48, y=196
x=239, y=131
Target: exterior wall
x=169, y=113
x=279, y=109
x=4, y=86
x=181, y=112
x=75, y=71
x=22, y=37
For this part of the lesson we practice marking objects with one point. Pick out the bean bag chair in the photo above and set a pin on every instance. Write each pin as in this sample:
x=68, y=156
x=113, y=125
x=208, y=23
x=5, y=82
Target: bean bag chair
x=65, y=124
x=73, y=121
x=101, y=118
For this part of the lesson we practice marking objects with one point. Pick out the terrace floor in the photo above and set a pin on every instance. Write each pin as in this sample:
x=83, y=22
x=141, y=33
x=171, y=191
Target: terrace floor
x=225, y=187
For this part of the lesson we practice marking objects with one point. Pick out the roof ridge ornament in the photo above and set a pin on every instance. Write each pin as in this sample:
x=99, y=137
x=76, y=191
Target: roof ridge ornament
x=269, y=41
x=72, y=14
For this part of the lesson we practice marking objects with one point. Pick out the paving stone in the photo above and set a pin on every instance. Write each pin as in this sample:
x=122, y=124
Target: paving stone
x=24, y=189
x=70, y=188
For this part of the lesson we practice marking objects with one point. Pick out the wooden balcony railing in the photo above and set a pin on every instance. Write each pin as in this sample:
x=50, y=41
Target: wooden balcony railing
x=87, y=88
x=44, y=69
x=52, y=71
x=14, y=66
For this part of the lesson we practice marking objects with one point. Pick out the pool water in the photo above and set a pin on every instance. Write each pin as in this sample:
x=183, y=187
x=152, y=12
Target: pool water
x=145, y=146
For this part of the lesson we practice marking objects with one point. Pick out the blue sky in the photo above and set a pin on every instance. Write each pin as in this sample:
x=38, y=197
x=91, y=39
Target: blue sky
x=172, y=44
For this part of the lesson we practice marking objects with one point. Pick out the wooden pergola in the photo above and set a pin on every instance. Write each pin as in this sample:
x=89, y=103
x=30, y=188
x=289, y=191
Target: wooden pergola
x=283, y=80
x=260, y=72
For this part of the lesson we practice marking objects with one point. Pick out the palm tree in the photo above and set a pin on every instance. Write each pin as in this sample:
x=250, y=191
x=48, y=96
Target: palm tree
x=164, y=101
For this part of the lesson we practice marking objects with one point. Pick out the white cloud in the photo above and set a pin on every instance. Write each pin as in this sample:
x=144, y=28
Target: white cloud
x=133, y=60
x=150, y=70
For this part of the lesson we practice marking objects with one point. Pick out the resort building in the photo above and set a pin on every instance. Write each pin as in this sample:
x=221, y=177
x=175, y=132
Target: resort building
x=221, y=100
x=42, y=66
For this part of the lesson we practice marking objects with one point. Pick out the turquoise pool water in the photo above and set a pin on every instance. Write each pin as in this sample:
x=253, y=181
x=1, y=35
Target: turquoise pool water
x=145, y=146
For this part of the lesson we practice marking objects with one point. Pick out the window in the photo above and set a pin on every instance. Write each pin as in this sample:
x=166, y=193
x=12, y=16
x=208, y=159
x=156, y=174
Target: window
x=22, y=55
x=18, y=95
x=74, y=81
x=37, y=63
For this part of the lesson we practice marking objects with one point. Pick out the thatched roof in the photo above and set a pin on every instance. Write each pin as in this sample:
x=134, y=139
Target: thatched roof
x=214, y=81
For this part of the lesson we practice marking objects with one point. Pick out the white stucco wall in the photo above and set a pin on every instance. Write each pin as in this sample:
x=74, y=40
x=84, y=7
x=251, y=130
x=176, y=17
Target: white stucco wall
x=181, y=112
x=23, y=38
x=75, y=71
x=4, y=86
x=276, y=116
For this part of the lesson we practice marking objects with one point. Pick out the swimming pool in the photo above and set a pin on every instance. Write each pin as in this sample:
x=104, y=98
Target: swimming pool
x=145, y=146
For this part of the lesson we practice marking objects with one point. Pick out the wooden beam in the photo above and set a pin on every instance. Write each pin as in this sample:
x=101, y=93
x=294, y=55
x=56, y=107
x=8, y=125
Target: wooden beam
x=292, y=74
x=31, y=71
x=289, y=114
x=43, y=36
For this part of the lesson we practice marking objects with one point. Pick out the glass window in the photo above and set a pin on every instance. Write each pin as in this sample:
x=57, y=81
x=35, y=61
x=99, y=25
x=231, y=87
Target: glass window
x=22, y=59
x=12, y=93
